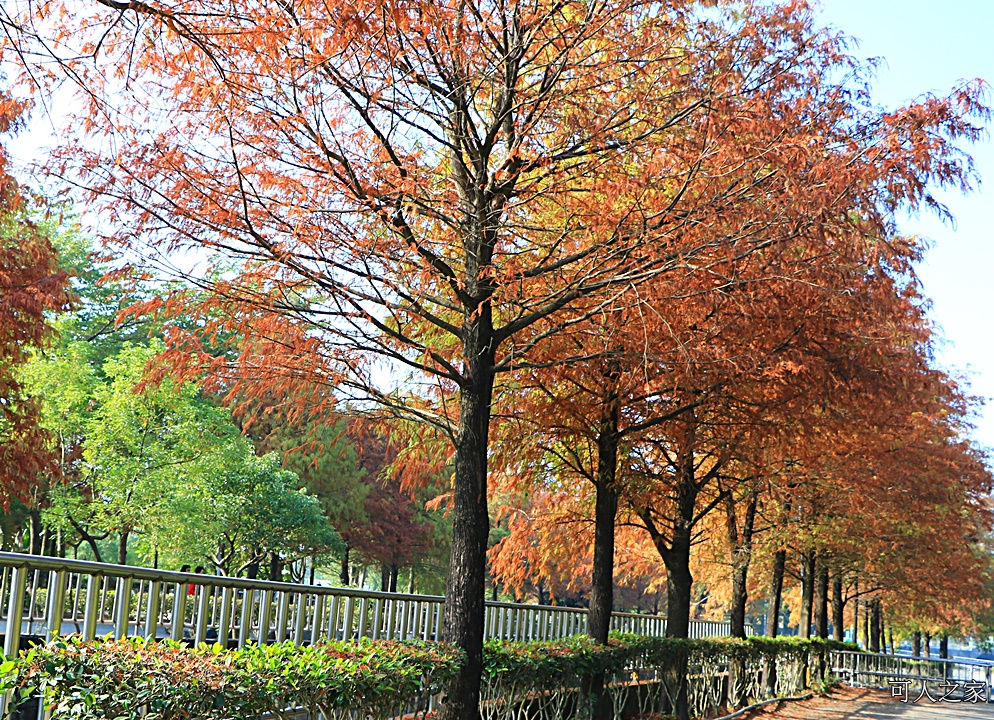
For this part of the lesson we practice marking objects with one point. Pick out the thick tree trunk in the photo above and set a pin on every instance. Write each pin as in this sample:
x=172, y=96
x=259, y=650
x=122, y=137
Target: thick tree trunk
x=679, y=585
x=821, y=615
x=807, y=592
x=916, y=644
x=252, y=571
x=927, y=645
x=838, y=608
x=384, y=578
x=776, y=593
x=344, y=574
x=944, y=646
x=464, y=592
x=122, y=547
x=773, y=616
x=741, y=556
x=35, y=542
x=741, y=544
x=605, y=513
x=275, y=567
x=676, y=557
x=875, y=625
x=394, y=572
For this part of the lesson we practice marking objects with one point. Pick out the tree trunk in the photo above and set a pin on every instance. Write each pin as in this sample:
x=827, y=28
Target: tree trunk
x=916, y=644
x=35, y=542
x=384, y=578
x=776, y=594
x=807, y=592
x=773, y=617
x=679, y=585
x=275, y=567
x=344, y=574
x=874, y=625
x=252, y=571
x=927, y=647
x=822, y=609
x=464, y=591
x=410, y=582
x=838, y=608
x=944, y=646
x=394, y=572
x=741, y=556
x=741, y=545
x=122, y=547
x=605, y=513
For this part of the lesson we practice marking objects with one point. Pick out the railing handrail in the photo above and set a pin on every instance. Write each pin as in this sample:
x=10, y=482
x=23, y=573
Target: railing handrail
x=888, y=656
x=135, y=572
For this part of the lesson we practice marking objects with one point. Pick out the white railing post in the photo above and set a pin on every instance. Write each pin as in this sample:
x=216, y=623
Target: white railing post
x=92, y=607
x=123, y=608
x=152, y=609
x=15, y=611
x=224, y=621
x=179, y=610
x=300, y=607
x=56, y=603
x=245, y=622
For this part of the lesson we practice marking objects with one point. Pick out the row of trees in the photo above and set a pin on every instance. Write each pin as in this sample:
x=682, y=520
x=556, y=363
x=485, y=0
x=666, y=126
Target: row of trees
x=632, y=269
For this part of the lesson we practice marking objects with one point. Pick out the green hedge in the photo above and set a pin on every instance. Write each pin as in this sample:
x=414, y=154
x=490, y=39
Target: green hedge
x=116, y=679
x=549, y=663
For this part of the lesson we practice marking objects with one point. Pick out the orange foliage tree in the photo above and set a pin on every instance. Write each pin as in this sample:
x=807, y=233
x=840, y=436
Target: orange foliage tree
x=31, y=285
x=442, y=186
x=447, y=188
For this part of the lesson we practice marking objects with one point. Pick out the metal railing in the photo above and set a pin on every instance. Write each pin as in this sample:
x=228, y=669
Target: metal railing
x=56, y=596
x=962, y=678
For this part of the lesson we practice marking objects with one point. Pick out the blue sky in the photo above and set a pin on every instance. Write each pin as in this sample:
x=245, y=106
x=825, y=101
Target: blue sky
x=929, y=46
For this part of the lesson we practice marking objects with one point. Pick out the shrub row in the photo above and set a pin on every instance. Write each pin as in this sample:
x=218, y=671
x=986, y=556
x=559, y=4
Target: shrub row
x=550, y=664
x=161, y=680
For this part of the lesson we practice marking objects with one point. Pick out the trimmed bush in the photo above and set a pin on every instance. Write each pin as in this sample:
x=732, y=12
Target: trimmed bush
x=117, y=679
x=163, y=680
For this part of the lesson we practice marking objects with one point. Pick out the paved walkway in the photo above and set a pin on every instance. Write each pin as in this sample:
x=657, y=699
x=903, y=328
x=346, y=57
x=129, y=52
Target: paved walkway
x=847, y=703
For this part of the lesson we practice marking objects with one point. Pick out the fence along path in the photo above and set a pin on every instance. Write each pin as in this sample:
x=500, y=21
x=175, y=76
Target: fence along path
x=56, y=596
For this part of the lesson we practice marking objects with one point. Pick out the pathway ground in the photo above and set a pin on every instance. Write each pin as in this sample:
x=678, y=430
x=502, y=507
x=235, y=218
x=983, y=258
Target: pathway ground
x=846, y=703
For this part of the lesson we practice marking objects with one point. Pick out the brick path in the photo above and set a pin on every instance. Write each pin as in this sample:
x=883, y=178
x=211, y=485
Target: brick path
x=847, y=703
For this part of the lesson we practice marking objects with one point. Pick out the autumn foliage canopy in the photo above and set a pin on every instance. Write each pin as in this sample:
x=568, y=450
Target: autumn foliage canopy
x=637, y=262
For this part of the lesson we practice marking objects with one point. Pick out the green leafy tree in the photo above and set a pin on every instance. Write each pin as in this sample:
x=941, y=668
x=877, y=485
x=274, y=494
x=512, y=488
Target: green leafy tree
x=243, y=512
x=140, y=441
